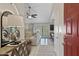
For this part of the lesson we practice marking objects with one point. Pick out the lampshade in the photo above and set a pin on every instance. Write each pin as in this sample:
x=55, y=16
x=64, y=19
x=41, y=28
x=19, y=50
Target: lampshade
x=13, y=20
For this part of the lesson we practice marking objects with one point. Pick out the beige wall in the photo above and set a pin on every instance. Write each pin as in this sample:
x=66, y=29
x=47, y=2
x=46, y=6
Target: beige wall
x=7, y=7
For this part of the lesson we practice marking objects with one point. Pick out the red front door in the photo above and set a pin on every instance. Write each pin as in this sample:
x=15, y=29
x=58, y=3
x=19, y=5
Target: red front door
x=71, y=22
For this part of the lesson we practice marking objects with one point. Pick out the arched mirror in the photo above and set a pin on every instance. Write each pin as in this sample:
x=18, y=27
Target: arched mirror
x=4, y=32
x=12, y=28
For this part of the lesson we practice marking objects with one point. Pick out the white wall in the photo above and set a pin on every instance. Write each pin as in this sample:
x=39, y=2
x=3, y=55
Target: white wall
x=58, y=16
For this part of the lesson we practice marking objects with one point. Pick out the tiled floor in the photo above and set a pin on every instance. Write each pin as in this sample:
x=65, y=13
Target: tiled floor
x=44, y=50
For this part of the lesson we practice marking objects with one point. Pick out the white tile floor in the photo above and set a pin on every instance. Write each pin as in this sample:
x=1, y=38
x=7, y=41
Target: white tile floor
x=46, y=48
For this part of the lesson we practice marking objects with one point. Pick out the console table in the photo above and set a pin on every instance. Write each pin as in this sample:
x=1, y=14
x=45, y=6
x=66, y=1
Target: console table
x=21, y=49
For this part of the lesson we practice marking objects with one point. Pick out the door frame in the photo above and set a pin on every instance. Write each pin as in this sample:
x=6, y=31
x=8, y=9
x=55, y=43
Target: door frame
x=59, y=29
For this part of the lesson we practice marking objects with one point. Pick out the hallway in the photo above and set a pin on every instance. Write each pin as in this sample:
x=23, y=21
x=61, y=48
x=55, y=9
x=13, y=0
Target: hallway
x=26, y=23
x=44, y=50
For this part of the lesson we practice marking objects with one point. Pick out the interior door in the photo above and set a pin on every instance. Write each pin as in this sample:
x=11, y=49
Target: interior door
x=71, y=22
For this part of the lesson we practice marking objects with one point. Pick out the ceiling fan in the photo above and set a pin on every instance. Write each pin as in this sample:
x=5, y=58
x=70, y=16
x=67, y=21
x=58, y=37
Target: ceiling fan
x=29, y=15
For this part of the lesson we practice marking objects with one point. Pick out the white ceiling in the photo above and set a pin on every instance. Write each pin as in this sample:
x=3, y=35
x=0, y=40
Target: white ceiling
x=44, y=11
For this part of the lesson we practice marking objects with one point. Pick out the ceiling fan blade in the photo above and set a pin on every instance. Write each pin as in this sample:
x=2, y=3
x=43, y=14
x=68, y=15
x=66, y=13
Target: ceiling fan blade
x=31, y=15
x=34, y=15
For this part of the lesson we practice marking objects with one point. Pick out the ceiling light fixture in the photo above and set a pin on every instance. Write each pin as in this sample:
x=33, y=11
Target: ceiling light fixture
x=29, y=15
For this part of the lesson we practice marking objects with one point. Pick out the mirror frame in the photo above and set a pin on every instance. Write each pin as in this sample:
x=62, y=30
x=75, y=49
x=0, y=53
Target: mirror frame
x=5, y=13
